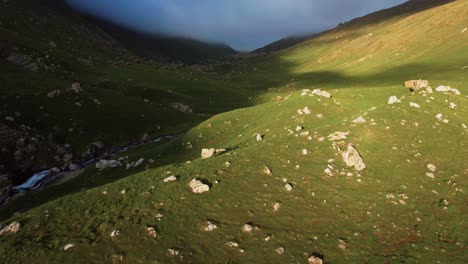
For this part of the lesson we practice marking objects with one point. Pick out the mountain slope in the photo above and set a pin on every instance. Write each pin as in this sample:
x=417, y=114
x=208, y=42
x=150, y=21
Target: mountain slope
x=46, y=48
x=187, y=50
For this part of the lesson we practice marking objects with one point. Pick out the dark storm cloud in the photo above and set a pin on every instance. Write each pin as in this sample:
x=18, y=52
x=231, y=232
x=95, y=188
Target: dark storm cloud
x=244, y=24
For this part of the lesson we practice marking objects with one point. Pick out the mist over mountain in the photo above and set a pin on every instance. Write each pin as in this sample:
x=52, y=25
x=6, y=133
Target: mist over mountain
x=243, y=24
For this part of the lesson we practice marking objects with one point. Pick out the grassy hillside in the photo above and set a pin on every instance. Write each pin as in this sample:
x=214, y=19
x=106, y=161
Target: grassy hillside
x=407, y=206
x=123, y=97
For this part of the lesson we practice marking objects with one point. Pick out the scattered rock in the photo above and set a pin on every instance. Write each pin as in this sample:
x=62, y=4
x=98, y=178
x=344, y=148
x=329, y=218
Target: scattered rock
x=305, y=152
x=12, y=228
x=104, y=164
x=280, y=250
x=232, y=244
x=173, y=252
x=289, y=187
x=198, y=186
x=74, y=167
x=247, y=228
x=67, y=247
x=342, y=244
x=452, y=105
x=338, y=136
x=429, y=90
x=415, y=105
x=209, y=226
x=259, y=137
x=359, y=120
x=182, y=108
x=267, y=170
x=352, y=158
x=152, y=232
x=447, y=89
x=321, y=93
x=54, y=93
x=430, y=175
x=76, y=88
x=299, y=128
x=208, y=153
x=115, y=233
x=314, y=260
x=276, y=207
x=171, y=178
x=431, y=167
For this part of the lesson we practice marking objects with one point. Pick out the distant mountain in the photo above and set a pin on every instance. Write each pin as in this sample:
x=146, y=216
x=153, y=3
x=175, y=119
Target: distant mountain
x=177, y=48
x=283, y=43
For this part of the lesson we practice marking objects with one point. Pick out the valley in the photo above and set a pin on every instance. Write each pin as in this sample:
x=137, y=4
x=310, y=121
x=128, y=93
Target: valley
x=317, y=153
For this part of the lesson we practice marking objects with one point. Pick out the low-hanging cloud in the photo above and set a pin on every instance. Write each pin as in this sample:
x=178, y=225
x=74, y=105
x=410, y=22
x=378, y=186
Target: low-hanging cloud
x=243, y=24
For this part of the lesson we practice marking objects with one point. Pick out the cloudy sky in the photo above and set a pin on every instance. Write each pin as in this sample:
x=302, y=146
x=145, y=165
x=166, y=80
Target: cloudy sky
x=243, y=24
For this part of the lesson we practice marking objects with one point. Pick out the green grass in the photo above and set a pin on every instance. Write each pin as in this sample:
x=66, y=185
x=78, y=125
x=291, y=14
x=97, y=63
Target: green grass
x=397, y=143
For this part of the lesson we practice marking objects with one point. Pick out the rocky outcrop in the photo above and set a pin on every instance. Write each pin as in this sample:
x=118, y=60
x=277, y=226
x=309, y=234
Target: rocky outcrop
x=198, y=186
x=208, y=153
x=12, y=228
x=352, y=158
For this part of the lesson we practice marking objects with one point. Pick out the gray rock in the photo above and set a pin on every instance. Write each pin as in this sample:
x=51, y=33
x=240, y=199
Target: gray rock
x=352, y=158
x=208, y=153
x=198, y=186
x=12, y=228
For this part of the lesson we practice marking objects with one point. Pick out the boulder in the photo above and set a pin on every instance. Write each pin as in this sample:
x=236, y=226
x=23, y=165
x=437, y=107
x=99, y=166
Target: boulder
x=338, y=136
x=208, y=153
x=209, y=226
x=352, y=158
x=198, y=186
x=359, y=120
x=415, y=105
x=315, y=260
x=12, y=228
x=171, y=178
x=76, y=88
x=393, y=100
x=447, y=89
x=104, y=164
x=67, y=247
x=321, y=93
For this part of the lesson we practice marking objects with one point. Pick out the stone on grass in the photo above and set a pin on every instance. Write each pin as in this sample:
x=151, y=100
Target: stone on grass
x=276, y=207
x=431, y=167
x=280, y=250
x=208, y=153
x=452, y=105
x=247, y=228
x=289, y=187
x=393, y=100
x=12, y=228
x=267, y=170
x=115, y=233
x=447, y=89
x=209, y=226
x=171, y=178
x=321, y=93
x=430, y=175
x=415, y=105
x=104, y=164
x=338, y=136
x=67, y=247
x=259, y=137
x=306, y=111
x=152, y=232
x=352, y=158
x=359, y=120
x=198, y=186
x=315, y=260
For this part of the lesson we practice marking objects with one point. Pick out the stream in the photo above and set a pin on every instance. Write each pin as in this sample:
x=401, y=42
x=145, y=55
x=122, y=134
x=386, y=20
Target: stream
x=52, y=176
